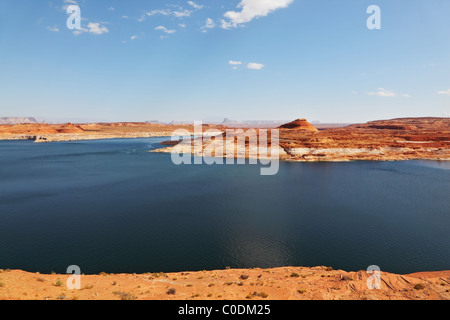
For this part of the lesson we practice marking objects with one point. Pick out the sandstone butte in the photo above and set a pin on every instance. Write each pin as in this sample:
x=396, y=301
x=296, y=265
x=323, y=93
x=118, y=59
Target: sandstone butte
x=285, y=283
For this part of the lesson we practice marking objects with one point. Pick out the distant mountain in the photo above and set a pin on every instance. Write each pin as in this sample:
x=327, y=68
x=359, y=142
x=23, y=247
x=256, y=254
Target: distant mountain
x=252, y=123
x=17, y=120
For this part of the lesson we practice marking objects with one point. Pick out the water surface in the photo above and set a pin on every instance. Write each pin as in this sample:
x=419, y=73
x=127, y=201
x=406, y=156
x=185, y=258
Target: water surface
x=112, y=206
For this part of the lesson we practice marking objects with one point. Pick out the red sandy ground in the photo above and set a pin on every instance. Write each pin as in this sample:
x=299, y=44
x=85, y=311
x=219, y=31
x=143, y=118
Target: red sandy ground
x=286, y=283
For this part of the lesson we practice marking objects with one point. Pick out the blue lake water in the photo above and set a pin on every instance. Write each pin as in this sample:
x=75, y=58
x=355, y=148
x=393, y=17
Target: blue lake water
x=112, y=206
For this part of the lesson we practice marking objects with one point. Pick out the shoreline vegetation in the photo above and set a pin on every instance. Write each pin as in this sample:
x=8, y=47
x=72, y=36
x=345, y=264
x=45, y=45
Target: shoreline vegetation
x=284, y=283
x=384, y=140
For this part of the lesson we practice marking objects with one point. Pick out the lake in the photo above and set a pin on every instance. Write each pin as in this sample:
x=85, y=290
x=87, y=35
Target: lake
x=112, y=206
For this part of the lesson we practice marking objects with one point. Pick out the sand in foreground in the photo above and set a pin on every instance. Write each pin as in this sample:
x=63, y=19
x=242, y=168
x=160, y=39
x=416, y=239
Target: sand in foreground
x=286, y=283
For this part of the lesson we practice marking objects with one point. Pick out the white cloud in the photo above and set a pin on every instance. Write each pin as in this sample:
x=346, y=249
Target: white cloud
x=181, y=14
x=255, y=66
x=96, y=28
x=111, y=9
x=164, y=29
x=182, y=25
x=210, y=24
x=53, y=29
x=78, y=32
x=446, y=92
x=195, y=5
x=252, y=9
x=166, y=12
x=383, y=93
x=235, y=63
x=133, y=37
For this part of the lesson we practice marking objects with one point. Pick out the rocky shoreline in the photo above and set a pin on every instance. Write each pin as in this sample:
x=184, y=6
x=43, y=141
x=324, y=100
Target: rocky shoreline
x=384, y=140
x=388, y=140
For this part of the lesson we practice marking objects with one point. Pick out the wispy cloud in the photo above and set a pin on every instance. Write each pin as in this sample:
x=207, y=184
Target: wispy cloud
x=383, y=93
x=164, y=29
x=195, y=5
x=180, y=13
x=94, y=28
x=164, y=12
x=255, y=66
x=68, y=3
x=445, y=92
x=53, y=29
x=210, y=24
x=251, y=9
x=97, y=28
x=234, y=64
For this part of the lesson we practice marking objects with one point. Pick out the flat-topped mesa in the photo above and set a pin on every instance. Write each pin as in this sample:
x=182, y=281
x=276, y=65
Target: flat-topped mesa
x=407, y=124
x=299, y=125
x=16, y=120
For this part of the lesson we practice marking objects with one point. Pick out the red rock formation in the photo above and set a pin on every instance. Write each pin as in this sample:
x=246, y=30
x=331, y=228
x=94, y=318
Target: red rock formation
x=69, y=128
x=299, y=125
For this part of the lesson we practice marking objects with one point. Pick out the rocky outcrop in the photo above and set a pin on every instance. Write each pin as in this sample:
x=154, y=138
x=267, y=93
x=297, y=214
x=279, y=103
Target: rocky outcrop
x=69, y=128
x=299, y=125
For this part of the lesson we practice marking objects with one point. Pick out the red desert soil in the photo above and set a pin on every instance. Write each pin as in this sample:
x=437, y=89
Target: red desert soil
x=286, y=283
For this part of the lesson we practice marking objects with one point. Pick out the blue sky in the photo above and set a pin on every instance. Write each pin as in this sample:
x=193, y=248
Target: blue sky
x=241, y=59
